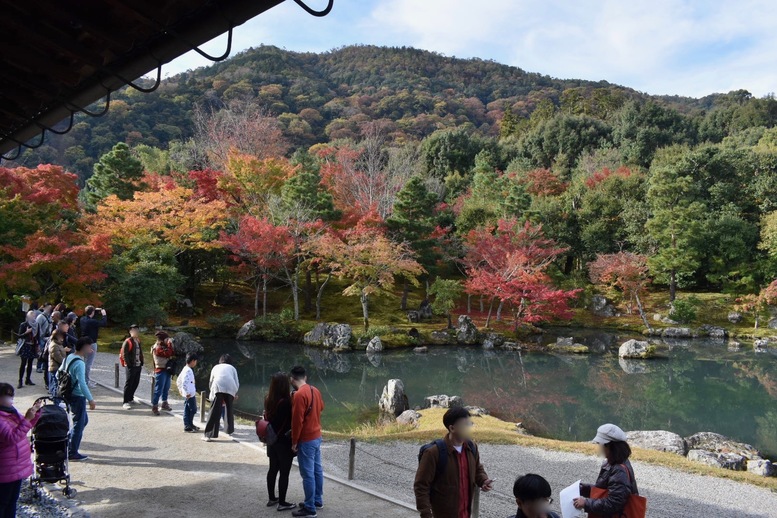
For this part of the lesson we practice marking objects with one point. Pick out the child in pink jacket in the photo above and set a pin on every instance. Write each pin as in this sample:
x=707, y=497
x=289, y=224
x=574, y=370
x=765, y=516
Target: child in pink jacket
x=15, y=454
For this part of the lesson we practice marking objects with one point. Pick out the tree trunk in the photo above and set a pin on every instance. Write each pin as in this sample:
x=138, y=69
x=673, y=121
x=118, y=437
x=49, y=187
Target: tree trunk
x=405, y=290
x=308, y=290
x=490, y=307
x=264, y=295
x=365, y=311
x=256, y=297
x=481, y=303
x=672, y=285
x=450, y=324
x=642, y=313
x=569, y=264
x=499, y=311
x=320, y=295
x=469, y=303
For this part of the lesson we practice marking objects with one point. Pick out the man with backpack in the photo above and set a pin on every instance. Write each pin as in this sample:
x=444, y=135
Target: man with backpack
x=449, y=470
x=306, y=408
x=90, y=327
x=43, y=332
x=72, y=387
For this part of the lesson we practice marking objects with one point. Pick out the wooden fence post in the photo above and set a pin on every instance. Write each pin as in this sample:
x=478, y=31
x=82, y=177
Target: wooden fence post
x=352, y=459
x=153, y=386
x=476, y=503
x=116, y=373
x=202, y=406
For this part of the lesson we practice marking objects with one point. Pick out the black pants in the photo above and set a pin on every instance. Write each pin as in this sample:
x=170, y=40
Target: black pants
x=214, y=416
x=9, y=494
x=131, y=383
x=26, y=364
x=281, y=458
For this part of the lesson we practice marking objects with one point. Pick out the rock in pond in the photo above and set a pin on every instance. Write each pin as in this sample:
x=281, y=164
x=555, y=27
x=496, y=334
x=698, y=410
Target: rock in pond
x=677, y=332
x=659, y=440
x=492, y=340
x=421, y=349
x=443, y=337
x=339, y=336
x=712, y=331
x=393, y=401
x=761, y=345
x=247, y=331
x=185, y=343
x=375, y=345
x=466, y=331
x=636, y=350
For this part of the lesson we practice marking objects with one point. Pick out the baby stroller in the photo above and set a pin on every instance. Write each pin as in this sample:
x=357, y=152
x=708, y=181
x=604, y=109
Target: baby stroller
x=50, y=441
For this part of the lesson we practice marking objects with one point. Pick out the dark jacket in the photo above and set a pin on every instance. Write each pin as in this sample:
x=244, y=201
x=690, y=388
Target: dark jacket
x=90, y=326
x=127, y=353
x=281, y=424
x=519, y=514
x=438, y=497
x=619, y=482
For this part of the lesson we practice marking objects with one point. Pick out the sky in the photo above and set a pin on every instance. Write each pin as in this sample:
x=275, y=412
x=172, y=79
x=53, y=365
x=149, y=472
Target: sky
x=672, y=47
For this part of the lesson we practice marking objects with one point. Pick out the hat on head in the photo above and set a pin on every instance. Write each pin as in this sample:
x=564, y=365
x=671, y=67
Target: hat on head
x=609, y=433
x=71, y=317
x=133, y=326
x=161, y=334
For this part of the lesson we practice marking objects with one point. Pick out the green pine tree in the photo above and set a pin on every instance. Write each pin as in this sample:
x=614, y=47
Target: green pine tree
x=117, y=172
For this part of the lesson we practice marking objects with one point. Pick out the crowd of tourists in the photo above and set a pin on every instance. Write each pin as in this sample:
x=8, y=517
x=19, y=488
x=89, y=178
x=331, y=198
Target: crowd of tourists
x=449, y=470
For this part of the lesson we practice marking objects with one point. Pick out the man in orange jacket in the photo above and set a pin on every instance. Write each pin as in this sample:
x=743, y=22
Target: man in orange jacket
x=306, y=408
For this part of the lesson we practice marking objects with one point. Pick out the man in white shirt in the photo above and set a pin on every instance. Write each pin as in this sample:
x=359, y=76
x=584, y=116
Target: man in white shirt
x=188, y=390
x=224, y=385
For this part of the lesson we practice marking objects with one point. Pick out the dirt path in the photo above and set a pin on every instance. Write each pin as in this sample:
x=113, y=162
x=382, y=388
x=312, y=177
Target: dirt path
x=145, y=466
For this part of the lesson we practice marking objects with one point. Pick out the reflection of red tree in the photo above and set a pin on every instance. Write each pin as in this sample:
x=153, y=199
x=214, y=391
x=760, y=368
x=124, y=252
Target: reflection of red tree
x=757, y=372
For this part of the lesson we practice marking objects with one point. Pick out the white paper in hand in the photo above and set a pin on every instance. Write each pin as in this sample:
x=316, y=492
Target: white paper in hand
x=566, y=500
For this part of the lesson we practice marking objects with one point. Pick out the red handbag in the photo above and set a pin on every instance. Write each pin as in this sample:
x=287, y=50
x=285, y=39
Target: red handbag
x=636, y=506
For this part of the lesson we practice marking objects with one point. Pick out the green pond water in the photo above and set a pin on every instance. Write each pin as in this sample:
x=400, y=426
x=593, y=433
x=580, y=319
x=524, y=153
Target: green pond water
x=700, y=386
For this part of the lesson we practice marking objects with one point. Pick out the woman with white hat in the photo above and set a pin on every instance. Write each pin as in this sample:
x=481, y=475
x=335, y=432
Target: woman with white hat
x=616, y=475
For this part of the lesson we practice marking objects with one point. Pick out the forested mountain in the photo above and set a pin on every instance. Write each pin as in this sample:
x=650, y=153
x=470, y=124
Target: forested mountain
x=322, y=97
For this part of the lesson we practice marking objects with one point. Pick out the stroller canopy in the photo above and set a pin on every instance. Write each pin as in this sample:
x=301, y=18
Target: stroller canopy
x=53, y=423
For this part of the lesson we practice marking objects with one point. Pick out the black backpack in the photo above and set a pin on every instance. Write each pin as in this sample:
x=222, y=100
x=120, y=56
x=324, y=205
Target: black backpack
x=442, y=449
x=65, y=381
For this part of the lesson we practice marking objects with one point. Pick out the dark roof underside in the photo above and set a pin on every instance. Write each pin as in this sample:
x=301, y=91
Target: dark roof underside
x=60, y=56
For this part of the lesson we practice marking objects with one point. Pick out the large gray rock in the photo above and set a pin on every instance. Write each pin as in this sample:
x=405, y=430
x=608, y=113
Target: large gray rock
x=761, y=467
x=408, y=417
x=761, y=345
x=602, y=307
x=492, y=340
x=442, y=401
x=338, y=336
x=247, y=331
x=735, y=317
x=466, y=331
x=425, y=310
x=421, y=349
x=677, y=332
x=476, y=411
x=660, y=440
x=413, y=317
x=375, y=345
x=717, y=443
x=565, y=341
x=730, y=461
x=185, y=343
x=636, y=349
x=393, y=401
x=442, y=337
x=772, y=323
x=713, y=331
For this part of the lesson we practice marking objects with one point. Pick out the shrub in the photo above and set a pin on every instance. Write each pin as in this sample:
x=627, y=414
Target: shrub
x=225, y=323
x=684, y=310
x=278, y=327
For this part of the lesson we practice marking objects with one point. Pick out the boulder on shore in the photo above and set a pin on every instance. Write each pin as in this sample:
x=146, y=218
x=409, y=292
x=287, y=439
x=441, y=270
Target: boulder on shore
x=393, y=401
x=375, y=345
x=713, y=331
x=761, y=467
x=735, y=317
x=659, y=440
x=442, y=401
x=602, y=307
x=730, y=461
x=715, y=442
x=409, y=417
x=636, y=349
x=492, y=340
x=466, y=331
x=677, y=332
x=338, y=336
x=476, y=411
x=247, y=331
x=443, y=337
x=185, y=343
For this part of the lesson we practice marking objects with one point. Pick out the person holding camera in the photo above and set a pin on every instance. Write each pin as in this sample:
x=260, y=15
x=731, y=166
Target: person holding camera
x=90, y=327
x=163, y=353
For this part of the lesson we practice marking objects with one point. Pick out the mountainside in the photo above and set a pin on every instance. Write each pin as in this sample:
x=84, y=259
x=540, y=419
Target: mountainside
x=320, y=97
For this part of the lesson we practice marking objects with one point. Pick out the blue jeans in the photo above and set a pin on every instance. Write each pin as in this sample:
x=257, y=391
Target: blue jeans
x=88, y=363
x=53, y=384
x=309, y=459
x=161, y=387
x=189, y=411
x=80, y=420
x=42, y=345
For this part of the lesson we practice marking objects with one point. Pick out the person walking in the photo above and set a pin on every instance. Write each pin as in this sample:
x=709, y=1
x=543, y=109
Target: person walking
x=449, y=470
x=532, y=494
x=56, y=318
x=277, y=410
x=28, y=352
x=188, y=390
x=616, y=475
x=162, y=352
x=75, y=366
x=15, y=453
x=306, y=408
x=59, y=348
x=43, y=327
x=131, y=358
x=223, y=386
x=90, y=327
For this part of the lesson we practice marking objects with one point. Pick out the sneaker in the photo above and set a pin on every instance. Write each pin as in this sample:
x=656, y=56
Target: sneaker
x=272, y=502
x=166, y=406
x=196, y=428
x=77, y=457
x=29, y=382
x=304, y=513
x=155, y=410
x=318, y=506
x=92, y=384
x=285, y=506
x=206, y=438
x=189, y=429
x=126, y=406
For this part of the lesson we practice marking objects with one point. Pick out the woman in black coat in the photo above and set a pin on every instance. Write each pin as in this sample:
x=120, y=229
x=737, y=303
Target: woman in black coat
x=616, y=475
x=29, y=350
x=277, y=410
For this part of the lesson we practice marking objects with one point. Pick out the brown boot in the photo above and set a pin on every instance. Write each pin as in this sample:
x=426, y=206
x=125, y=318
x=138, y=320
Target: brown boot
x=166, y=406
x=155, y=410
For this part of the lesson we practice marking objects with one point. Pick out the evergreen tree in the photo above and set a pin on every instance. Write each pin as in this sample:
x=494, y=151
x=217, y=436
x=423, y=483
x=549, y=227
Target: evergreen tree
x=117, y=172
x=305, y=189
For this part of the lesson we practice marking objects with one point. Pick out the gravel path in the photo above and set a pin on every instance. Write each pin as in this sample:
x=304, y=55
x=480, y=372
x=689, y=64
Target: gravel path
x=390, y=468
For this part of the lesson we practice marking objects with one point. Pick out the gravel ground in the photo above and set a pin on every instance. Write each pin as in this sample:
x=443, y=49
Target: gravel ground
x=390, y=468
x=39, y=506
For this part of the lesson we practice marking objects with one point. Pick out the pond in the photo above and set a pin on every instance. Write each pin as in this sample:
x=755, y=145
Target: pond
x=700, y=386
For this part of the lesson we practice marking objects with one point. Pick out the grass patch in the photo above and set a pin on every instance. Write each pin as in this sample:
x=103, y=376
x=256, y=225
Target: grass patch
x=490, y=430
